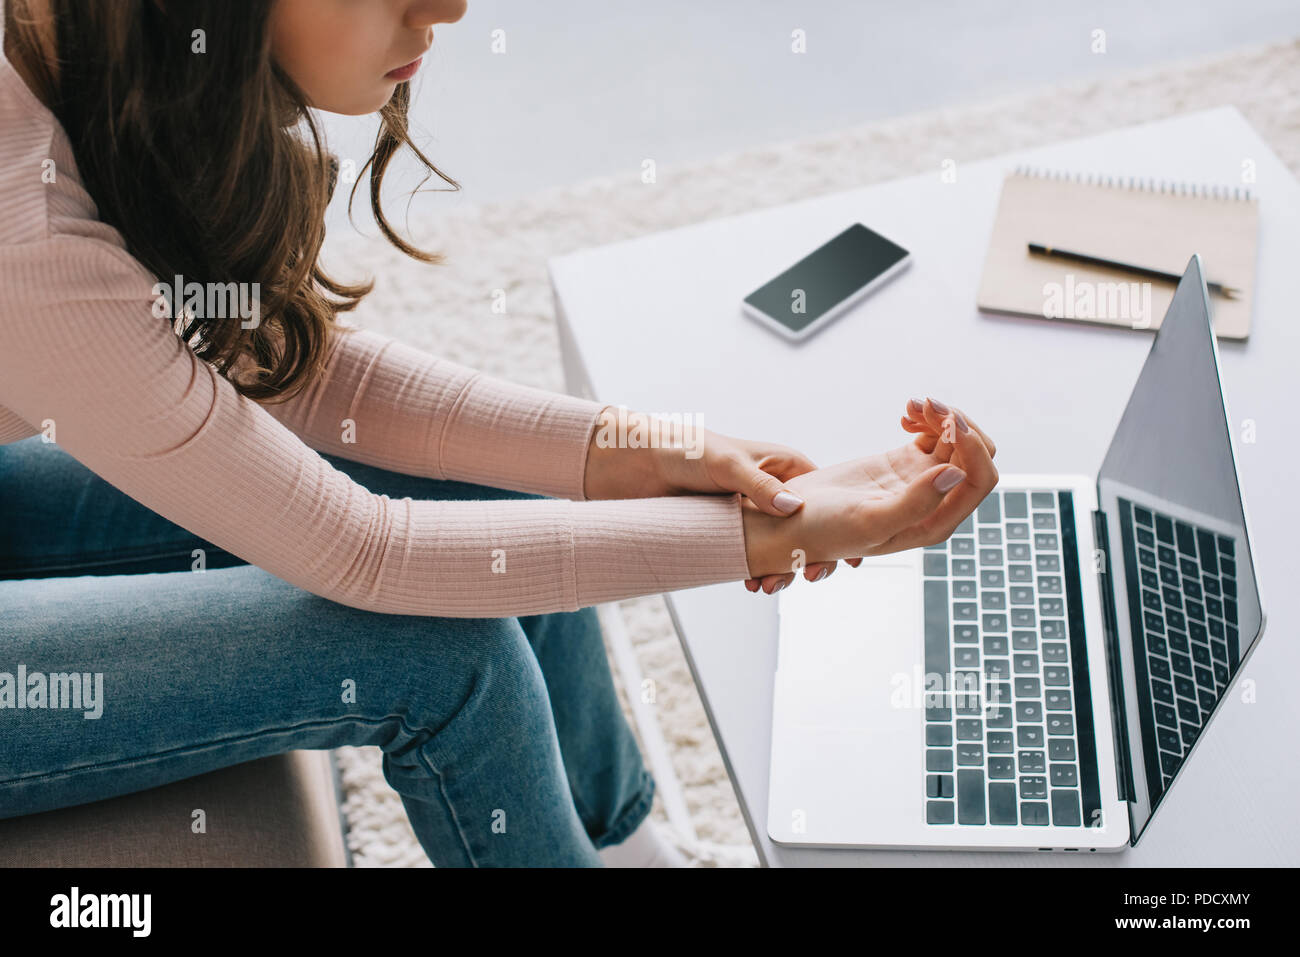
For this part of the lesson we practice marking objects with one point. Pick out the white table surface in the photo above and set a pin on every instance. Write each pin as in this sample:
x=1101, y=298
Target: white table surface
x=654, y=324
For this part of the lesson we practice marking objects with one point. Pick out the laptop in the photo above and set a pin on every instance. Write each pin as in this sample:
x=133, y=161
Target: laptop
x=1039, y=680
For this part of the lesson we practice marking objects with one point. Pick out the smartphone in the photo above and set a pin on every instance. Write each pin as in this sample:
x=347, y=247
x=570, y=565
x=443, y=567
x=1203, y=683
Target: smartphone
x=826, y=282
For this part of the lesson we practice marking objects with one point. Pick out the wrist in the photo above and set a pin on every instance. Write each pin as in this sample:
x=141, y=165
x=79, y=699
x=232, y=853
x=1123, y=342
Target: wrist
x=617, y=467
x=767, y=550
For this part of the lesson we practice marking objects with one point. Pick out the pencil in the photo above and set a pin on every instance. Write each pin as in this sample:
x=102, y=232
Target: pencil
x=1227, y=292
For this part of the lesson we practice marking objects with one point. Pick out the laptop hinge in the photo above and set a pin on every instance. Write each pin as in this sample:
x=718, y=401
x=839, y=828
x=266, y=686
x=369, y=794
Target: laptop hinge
x=1104, y=566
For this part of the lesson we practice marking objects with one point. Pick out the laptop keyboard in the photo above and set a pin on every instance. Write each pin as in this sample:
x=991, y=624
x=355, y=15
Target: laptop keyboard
x=1008, y=732
x=1182, y=588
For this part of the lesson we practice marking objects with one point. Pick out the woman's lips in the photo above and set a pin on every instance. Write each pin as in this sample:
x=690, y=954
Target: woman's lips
x=405, y=72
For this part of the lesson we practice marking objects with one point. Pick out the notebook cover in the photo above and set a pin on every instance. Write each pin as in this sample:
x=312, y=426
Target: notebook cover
x=1156, y=225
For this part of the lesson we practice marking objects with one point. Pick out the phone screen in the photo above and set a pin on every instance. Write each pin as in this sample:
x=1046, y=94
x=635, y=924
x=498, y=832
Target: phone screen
x=826, y=277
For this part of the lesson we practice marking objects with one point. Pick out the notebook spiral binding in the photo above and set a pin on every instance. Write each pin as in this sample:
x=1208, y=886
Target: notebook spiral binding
x=1145, y=184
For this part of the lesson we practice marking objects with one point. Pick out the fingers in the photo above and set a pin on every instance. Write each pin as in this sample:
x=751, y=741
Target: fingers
x=786, y=464
x=920, y=419
x=763, y=489
x=819, y=570
x=971, y=454
x=774, y=583
x=769, y=584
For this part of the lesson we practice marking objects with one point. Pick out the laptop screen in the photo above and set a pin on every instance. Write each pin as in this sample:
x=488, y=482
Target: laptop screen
x=1187, y=606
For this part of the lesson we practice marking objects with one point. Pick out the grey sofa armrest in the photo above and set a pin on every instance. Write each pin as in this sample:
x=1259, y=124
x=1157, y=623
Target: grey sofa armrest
x=279, y=811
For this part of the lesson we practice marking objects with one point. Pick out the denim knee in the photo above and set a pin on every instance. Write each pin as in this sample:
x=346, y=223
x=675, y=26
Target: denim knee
x=433, y=670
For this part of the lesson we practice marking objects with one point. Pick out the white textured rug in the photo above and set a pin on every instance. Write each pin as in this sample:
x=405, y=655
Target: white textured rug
x=447, y=310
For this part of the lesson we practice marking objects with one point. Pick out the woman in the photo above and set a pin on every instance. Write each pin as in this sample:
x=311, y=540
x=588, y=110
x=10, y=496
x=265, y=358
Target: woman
x=269, y=533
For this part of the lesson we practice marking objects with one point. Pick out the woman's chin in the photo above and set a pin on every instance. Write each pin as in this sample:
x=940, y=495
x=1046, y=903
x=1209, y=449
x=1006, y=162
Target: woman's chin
x=361, y=105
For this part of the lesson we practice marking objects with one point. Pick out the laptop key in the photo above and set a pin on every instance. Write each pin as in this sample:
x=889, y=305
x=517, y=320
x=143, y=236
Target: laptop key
x=1165, y=715
x=970, y=794
x=1029, y=736
x=1000, y=742
x=1026, y=664
x=1058, y=724
x=936, y=565
x=1032, y=762
x=1002, y=802
x=938, y=760
x=1165, y=529
x=1066, y=811
x=1003, y=768
x=1024, y=640
x=939, y=812
x=969, y=755
x=1058, y=701
x=938, y=735
x=1034, y=813
x=970, y=729
x=1000, y=718
x=1061, y=750
x=1029, y=712
x=1033, y=787
x=1064, y=775
x=1028, y=688
x=1054, y=651
x=1015, y=504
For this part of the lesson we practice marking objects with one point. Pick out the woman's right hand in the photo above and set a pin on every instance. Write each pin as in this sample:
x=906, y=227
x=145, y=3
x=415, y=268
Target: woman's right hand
x=911, y=496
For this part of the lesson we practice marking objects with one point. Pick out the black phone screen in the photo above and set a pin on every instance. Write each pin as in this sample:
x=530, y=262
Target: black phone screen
x=826, y=277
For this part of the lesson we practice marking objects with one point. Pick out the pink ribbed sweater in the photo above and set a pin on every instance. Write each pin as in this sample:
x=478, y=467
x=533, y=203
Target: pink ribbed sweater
x=81, y=349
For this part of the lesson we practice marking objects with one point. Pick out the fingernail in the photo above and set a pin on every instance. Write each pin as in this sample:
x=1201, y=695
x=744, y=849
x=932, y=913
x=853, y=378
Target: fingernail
x=822, y=574
x=915, y=402
x=786, y=501
x=939, y=407
x=779, y=587
x=948, y=478
x=961, y=422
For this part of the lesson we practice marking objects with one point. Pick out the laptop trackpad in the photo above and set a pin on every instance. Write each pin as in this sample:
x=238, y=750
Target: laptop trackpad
x=851, y=648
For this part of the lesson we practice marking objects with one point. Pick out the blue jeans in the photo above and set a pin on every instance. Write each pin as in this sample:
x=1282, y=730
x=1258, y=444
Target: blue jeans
x=503, y=736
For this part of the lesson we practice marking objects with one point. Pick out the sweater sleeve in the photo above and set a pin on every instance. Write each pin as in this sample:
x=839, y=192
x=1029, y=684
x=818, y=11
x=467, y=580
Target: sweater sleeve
x=387, y=404
x=81, y=350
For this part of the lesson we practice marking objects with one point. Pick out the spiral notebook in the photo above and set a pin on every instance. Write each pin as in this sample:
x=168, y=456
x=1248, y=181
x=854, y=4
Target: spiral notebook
x=1149, y=223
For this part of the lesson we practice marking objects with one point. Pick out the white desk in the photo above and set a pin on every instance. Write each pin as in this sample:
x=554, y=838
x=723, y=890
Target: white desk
x=654, y=324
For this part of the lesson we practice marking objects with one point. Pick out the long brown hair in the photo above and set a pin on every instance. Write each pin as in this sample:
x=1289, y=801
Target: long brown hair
x=212, y=167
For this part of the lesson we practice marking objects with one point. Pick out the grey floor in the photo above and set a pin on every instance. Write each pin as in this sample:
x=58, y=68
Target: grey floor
x=593, y=87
